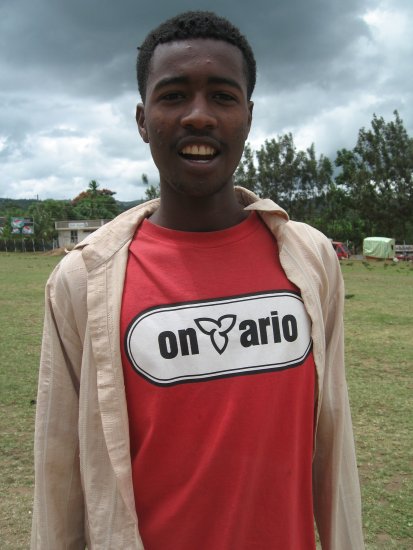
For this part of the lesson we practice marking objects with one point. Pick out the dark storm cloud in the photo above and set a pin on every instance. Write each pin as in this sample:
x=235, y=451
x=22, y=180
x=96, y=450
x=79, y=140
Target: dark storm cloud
x=68, y=87
x=90, y=46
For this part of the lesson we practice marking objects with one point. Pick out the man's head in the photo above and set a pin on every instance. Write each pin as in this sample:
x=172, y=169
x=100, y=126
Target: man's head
x=196, y=113
x=192, y=25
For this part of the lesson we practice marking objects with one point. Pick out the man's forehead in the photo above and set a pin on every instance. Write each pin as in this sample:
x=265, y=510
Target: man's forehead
x=199, y=55
x=186, y=49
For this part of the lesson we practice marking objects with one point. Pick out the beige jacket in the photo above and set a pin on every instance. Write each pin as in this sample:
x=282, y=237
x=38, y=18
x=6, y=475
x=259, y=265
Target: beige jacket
x=83, y=491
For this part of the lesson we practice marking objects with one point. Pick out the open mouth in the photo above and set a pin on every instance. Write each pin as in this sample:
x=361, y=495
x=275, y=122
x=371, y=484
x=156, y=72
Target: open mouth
x=199, y=153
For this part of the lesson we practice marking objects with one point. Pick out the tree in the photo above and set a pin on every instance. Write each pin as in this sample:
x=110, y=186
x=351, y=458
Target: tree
x=314, y=182
x=246, y=173
x=153, y=191
x=294, y=179
x=93, y=187
x=95, y=203
x=378, y=175
x=45, y=213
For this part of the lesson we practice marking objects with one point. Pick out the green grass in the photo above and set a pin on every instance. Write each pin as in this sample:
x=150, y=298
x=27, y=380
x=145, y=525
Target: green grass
x=379, y=355
x=22, y=280
x=379, y=358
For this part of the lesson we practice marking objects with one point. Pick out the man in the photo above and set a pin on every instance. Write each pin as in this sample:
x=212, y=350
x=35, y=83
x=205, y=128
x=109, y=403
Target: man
x=192, y=391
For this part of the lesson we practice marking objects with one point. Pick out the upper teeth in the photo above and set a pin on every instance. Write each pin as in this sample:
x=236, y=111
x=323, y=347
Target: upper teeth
x=198, y=150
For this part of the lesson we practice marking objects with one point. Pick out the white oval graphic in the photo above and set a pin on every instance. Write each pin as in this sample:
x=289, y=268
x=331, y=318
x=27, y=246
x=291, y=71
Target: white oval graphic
x=202, y=340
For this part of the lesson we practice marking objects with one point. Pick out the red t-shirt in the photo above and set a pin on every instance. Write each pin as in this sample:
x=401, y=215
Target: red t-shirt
x=219, y=378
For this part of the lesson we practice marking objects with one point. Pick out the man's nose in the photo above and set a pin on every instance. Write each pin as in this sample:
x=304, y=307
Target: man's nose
x=199, y=115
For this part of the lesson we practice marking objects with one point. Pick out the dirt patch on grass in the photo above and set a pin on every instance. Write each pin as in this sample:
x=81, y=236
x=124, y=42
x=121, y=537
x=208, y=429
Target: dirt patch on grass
x=383, y=538
x=395, y=484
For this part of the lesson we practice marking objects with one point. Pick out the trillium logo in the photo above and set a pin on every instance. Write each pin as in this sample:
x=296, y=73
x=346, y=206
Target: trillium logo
x=217, y=330
x=225, y=337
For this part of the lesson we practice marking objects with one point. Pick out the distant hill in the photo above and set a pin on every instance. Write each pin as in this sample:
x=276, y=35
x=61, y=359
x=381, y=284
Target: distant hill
x=125, y=205
x=24, y=204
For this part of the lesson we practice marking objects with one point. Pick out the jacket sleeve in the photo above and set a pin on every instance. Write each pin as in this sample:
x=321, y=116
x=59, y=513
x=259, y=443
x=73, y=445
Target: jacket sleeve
x=58, y=515
x=336, y=489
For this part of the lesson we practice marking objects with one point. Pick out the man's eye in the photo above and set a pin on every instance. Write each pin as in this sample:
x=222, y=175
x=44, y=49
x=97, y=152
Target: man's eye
x=172, y=96
x=224, y=97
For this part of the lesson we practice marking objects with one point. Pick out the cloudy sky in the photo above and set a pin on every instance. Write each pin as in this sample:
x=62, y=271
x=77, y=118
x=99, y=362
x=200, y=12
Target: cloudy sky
x=68, y=92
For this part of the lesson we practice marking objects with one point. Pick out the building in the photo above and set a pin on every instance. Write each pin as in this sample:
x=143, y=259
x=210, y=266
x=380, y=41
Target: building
x=71, y=232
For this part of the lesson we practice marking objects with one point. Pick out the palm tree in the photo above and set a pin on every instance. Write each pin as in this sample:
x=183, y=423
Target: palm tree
x=93, y=192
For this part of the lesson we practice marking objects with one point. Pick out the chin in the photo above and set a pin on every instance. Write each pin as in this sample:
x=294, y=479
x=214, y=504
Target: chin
x=198, y=188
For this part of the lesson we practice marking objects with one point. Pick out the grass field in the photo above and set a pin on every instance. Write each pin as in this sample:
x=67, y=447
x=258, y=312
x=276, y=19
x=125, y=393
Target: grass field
x=379, y=340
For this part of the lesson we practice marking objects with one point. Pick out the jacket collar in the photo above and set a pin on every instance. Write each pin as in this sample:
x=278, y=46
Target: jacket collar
x=101, y=245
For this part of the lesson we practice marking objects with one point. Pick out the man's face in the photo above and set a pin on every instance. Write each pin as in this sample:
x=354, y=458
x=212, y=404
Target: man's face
x=196, y=116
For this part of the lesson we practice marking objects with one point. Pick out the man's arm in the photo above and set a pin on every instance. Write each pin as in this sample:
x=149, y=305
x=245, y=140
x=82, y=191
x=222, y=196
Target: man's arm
x=337, y=502
x=58, y=515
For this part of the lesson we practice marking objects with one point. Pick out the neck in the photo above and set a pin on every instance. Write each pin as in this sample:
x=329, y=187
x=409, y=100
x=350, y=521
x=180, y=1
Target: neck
x=211, y=213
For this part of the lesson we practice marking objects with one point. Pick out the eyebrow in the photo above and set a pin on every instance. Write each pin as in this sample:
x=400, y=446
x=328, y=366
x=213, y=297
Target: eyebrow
x=170, y=81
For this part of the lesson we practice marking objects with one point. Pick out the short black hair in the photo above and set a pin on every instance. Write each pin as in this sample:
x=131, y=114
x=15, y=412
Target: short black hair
x=194, y=24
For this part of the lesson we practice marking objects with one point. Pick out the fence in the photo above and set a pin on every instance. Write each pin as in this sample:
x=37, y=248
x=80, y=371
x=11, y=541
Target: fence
x=25, y=244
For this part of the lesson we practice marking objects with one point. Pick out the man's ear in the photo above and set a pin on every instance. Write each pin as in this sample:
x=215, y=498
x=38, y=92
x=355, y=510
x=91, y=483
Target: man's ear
x=250, y=109
x=140, y=120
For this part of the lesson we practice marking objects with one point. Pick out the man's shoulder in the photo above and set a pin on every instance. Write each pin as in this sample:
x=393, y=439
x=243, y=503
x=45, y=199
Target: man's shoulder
x=299, y=237
x=72, y=269
x=305, y=239
x=123, y=225
x=307, y=232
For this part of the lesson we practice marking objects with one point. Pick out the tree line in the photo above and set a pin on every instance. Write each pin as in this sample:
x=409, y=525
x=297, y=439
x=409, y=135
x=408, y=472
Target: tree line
x=366, y=191
x=93, y=203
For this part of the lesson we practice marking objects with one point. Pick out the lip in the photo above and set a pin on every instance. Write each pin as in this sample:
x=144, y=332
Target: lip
x=201, y=165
